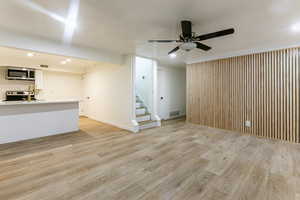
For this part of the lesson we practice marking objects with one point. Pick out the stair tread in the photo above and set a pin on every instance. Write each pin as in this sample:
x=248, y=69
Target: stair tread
x=141, y=107
x=143, y=115
x=146, y=122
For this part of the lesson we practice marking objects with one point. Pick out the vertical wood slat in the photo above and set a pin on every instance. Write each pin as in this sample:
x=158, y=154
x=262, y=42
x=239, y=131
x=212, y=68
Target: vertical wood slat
x=263, y=88
x=297, y=88
x=281, y=97
x=294, y=94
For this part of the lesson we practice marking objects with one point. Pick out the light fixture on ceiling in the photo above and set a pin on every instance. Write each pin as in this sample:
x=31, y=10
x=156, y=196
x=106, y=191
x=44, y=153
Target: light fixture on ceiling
x=296, y=27
x=30, y=54
x=63, y=62
x=173, y=55
x=188, y=46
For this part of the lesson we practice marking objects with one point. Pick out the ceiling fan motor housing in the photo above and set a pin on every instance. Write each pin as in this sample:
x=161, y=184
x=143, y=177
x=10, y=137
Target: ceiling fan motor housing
x=186, y=29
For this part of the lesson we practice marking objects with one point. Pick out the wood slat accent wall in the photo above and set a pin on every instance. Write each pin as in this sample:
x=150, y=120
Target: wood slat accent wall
x=262, y=88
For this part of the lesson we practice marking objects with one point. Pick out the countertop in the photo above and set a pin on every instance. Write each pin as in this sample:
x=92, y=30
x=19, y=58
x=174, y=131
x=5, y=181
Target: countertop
x=38, y=102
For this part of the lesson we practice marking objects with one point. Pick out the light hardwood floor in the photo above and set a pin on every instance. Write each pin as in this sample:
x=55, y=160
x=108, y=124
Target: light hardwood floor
x=178, y=161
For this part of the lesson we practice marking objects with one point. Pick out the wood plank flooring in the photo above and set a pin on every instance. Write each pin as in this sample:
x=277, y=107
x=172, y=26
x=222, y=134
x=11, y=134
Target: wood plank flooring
x=179, y=161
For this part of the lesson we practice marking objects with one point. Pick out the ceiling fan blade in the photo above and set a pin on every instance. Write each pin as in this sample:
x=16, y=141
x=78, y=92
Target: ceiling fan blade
x=202, y=46
x=162, y=41
x=186, y=29
x=181, y=38
x=174, y=50
x=215, y=34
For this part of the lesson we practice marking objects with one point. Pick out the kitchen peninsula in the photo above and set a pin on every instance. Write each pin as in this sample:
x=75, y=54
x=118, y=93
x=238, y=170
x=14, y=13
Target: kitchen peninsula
x=27, y=120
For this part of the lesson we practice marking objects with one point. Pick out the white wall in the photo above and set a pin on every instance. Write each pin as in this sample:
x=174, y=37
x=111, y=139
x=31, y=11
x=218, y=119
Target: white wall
x=144, y=81
x=108, y=94
x=62, y=86
x=172, y=87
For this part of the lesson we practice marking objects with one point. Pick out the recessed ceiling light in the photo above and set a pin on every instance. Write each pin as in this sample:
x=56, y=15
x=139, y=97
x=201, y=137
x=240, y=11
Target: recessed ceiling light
x=63, y=62
x=68, y=60
x=30, y=54
x=296, y=27
x=172, y=55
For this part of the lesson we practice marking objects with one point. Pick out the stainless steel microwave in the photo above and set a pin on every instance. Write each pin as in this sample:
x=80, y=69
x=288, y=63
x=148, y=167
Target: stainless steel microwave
x=16, y=73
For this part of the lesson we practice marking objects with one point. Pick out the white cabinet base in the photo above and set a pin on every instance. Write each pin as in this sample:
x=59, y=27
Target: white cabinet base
x=28, y=121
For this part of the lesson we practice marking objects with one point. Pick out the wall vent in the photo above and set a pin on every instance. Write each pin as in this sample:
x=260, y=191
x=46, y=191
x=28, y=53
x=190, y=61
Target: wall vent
x=44, y=66
x=174, y=113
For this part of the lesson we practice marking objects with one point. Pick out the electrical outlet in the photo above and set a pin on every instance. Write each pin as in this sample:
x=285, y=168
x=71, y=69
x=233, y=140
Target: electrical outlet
x=248, y=123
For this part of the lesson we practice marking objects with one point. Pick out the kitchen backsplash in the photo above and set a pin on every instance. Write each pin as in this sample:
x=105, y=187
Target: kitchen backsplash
x=6, y=85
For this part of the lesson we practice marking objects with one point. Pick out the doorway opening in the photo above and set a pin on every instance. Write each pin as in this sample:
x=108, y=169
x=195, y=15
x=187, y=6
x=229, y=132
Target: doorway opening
x=145, y=93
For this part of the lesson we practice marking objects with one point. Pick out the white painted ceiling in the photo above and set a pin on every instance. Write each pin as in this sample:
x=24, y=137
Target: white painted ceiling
x=124, y=26
x=19, y=58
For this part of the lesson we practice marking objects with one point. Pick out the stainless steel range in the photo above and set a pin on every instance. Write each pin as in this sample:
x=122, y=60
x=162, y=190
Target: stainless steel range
x=19, y=95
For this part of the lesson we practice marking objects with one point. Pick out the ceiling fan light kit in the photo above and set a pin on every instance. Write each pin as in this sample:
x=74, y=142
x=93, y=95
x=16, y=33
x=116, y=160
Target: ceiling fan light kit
x=190, y=41
x=188, y=46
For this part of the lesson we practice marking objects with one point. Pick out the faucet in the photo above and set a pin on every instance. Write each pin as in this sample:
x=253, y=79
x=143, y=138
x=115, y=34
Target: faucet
x=31, y=89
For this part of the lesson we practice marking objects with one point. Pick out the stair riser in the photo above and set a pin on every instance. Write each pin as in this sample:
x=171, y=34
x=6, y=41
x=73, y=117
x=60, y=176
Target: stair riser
x=137, y=105
x=140, y=111
x=146, y=126
x=144, y=118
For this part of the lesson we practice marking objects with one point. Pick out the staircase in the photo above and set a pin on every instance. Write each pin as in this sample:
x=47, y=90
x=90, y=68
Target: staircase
x=143, y=117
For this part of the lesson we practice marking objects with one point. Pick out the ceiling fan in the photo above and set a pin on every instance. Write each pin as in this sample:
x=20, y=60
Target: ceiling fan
x=190, y=40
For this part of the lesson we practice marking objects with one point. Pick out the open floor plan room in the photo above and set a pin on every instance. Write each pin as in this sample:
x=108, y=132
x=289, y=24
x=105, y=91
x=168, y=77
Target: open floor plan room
x=150, y=100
